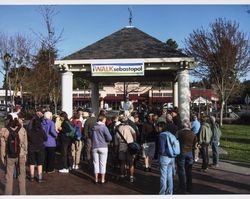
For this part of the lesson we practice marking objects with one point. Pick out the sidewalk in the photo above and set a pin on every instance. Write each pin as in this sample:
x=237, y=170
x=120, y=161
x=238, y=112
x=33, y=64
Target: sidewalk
x=229, y=178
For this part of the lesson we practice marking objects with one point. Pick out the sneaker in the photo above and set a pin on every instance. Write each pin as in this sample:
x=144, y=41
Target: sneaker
x=122, y=176
x=40, y=180
x=76, y=167
x=204, y=170
x=53, y=171
x=215, y=165
x=132, y=179
x=196, y=159
x=64, y=170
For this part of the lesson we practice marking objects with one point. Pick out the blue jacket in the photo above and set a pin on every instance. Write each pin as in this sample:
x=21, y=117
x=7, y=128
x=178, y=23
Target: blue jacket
x=195, y=126
x=100, y=136
x=50, y=130
x=163, y=144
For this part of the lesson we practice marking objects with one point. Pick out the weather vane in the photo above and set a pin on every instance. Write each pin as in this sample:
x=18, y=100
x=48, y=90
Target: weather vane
x=130, y=16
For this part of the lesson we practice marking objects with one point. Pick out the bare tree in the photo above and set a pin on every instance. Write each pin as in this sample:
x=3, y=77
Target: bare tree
x=129, y=87
x=223, y=56
x=49, y=42
x=21, y=49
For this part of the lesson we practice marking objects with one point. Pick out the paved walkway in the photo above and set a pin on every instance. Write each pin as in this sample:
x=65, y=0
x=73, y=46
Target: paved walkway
x=229, y=178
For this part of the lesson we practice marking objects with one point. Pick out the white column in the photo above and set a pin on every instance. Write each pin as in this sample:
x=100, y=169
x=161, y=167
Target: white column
x=67, y=93
x=183, y=94
x=95, y=97
x=175, y=94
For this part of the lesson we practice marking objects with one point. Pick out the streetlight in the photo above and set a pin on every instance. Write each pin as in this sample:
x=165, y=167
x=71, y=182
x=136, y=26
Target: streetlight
x=6, y=58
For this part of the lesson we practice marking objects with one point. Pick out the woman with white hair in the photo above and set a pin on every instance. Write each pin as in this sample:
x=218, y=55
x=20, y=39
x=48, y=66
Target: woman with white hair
x=50, y=145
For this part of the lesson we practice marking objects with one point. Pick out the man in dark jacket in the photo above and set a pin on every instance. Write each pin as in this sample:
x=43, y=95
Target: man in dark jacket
x=89, y=124
x=187, y=141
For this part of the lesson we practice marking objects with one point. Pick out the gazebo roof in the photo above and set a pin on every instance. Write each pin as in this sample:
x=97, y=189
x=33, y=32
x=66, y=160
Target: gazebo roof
x=126, y=43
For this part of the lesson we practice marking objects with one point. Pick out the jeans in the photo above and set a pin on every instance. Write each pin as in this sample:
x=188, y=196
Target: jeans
x=204, y=154
x=215, y=152
x=184, y=165
x=166, y=175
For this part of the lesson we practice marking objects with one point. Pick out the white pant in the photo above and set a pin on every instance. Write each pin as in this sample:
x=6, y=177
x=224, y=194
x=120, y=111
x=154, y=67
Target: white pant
x=100, y=156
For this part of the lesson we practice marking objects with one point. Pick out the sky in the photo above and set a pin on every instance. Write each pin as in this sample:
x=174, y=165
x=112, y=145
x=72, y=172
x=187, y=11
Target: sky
x=84, y=24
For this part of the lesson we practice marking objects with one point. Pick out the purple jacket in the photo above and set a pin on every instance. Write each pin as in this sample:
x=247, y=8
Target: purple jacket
x=100, y=136
x=50, y=130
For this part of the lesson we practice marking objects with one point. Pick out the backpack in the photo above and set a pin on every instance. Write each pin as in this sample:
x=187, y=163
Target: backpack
x=172, y=145
x=13, y=143
x=78, y=133
x=72, y=133
x=75, y=132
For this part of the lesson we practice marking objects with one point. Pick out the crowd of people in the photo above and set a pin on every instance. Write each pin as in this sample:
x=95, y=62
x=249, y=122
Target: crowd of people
x=102, y=137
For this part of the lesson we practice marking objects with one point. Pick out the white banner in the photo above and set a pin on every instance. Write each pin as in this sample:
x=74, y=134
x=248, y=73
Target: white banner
x=118, y=69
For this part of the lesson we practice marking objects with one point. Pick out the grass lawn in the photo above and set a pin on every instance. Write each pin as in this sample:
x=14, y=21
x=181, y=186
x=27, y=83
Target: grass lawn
x=236, y=141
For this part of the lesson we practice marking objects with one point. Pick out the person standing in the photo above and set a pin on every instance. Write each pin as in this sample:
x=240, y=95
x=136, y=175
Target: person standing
x=36, y=148
x=39, y=114
x=100, y=137
x=149, y=137
x=127, y=107
x=166, y=163
x=66, y=142
x=216, y=134
x=10, y=161
x=50, y=145
x=187, y=141
x=89, y=123
x=195, y=127
x=76, y=146
x=205, y=136
x=124, y=135
x=176, y=117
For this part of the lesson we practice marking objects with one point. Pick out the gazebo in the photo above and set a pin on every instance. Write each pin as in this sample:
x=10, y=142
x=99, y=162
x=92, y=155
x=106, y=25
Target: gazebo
x=128, y=55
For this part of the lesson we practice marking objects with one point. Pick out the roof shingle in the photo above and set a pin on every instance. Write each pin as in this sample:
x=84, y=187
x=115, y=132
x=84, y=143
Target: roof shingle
x=128, y=42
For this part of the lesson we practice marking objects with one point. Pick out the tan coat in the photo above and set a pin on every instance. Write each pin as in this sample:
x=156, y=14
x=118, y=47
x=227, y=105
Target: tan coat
x=4, y=133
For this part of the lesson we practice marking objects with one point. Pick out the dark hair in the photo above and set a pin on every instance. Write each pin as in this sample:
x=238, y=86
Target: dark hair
x=79, y=109
x=21, y=115
x=12, y=122
x=64, y=115
x=76, y=116
x=162, y=125
x=101, y=117
x=36, y=124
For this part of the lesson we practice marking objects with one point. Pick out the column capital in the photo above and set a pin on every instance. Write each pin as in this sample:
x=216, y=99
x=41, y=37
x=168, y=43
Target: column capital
x=67, y=73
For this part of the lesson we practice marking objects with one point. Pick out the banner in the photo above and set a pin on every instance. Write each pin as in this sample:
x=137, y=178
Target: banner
x=118, y=69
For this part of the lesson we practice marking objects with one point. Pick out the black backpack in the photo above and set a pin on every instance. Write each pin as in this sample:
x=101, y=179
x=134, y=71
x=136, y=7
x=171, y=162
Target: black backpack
x=13, y=143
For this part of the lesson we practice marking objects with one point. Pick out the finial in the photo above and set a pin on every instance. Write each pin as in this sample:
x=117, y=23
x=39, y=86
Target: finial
x=130, y=16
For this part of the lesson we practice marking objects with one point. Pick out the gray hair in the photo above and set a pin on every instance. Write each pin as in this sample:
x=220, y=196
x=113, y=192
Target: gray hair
x=48, y=115
x=212, y=119
x=186, y=123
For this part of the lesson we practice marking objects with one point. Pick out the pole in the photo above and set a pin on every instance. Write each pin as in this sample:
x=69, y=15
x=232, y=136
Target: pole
x=6, y=92
x=6, y=87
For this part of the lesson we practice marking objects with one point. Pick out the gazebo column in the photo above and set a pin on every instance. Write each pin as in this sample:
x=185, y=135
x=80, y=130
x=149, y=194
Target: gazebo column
x=183, y=94
x=175, y=93
x=67, y=93
x=95, y=97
